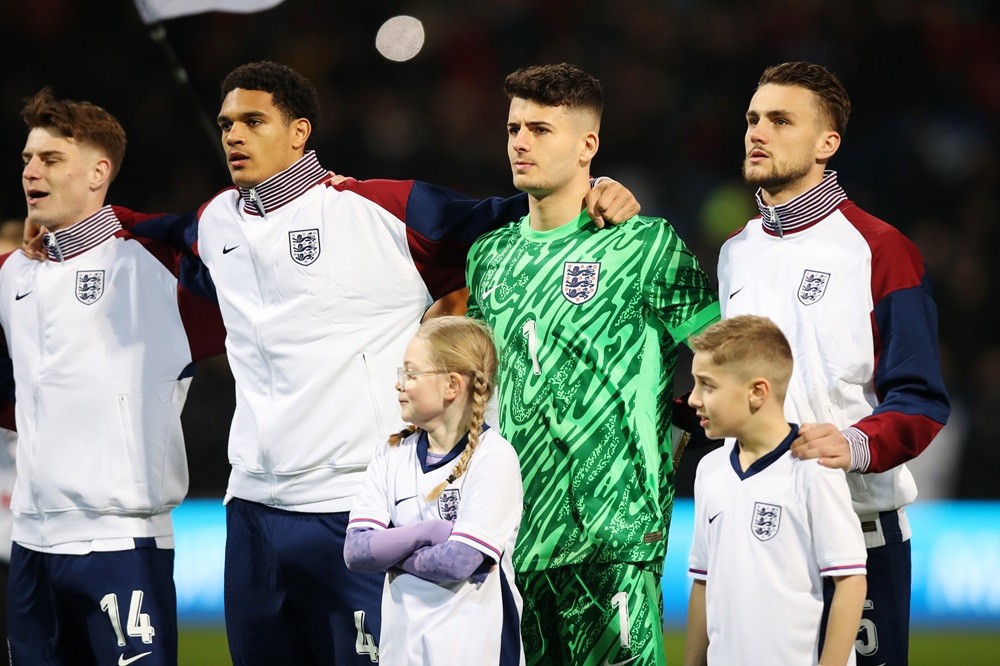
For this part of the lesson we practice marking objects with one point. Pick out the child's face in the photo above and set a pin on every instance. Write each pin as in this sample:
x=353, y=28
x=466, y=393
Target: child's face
x=422, y=392
x=720, y=400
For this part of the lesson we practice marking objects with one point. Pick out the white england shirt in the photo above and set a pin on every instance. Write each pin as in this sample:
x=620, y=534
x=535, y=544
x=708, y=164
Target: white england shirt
x=449, y=623
x=763, y=541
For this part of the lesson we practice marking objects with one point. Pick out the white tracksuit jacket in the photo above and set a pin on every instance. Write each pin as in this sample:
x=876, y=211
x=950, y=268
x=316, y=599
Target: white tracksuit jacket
x=851, y=294
x=101, y=339
x=321, y=288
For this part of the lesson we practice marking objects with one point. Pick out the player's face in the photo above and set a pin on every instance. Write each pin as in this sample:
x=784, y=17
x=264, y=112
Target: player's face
x=62, y=180
x=548, y=146
x=422, y=394
x=721, y=401
x=256, y=138
x=784, y=141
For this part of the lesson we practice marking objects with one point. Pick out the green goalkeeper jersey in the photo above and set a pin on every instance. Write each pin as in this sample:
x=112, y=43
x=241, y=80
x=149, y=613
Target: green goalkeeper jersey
x=587, y=324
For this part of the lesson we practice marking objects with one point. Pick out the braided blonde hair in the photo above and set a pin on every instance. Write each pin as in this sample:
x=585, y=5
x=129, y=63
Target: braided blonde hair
x=463, y=345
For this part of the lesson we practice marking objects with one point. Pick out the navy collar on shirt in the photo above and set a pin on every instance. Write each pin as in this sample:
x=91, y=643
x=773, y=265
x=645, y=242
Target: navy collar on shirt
x=765, y=460
x=284, y=186
x=423, y=443
x=87, y=233
x=804, y=210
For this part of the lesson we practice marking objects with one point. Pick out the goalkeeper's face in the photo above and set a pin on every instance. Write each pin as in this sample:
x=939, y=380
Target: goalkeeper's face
x=550, y=147
x=787, y=142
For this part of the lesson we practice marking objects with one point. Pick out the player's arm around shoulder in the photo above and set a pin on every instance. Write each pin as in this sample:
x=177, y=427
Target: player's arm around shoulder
x=826, y=443
x=434, y=213
x=608, y=201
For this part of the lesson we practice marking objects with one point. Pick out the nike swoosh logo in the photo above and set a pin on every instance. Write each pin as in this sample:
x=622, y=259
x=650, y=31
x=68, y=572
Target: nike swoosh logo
x=122, y=661
x=714, y=517
x=227, y=250
x=20, y=296
x=621, y=663
x=737, y=291
x=491, y=289
x=400, y=501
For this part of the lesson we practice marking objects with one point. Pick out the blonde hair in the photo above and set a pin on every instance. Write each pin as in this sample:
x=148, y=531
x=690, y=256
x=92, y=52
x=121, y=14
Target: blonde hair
x=749, y=346
x=463, y=345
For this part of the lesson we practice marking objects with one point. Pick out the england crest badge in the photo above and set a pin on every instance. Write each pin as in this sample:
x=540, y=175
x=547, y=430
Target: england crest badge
x=304, y=246
x=579, y=283
x=89, y=286
x=448, y=504
x=813, y=286
x=766, y=520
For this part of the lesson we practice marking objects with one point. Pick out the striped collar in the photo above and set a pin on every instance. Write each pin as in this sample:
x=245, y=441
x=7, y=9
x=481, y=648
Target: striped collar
x=86, y=234
x=804, y=210
x=284, y=186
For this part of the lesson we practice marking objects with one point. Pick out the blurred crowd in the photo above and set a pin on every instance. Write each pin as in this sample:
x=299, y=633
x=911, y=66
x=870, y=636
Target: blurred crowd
x=921, y=150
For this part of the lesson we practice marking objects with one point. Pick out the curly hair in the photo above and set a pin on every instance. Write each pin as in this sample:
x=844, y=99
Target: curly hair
x=291, y=92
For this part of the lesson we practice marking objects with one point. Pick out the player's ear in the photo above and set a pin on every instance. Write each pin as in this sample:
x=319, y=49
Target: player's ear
x=100, y=172
x=300, y=128
x=591, y=142
x=827, y=145
x=760, y=389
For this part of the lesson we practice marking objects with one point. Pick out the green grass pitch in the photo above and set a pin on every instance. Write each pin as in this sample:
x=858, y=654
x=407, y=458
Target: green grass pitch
x=207, y=647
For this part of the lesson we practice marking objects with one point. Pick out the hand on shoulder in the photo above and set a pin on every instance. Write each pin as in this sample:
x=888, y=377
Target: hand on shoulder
x=824, y=442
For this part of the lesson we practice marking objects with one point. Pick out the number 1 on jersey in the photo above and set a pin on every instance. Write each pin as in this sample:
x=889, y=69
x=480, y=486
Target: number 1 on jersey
x=529, y=332
x=620, y=601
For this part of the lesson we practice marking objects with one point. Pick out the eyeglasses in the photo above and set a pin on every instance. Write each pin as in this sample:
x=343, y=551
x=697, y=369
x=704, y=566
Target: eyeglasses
x=403, y=375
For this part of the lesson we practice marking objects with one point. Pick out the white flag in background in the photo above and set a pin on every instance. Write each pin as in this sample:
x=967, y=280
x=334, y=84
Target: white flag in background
x=152, y=11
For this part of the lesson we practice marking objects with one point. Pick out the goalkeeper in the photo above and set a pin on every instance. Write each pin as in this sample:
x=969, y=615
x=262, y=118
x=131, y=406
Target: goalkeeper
x=587, y=325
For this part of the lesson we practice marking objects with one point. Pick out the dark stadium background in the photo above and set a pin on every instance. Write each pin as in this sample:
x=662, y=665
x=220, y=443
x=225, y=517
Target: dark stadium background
x=921, y=149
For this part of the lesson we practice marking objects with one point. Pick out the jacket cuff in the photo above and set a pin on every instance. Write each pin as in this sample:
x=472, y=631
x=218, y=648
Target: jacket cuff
x=857, y=441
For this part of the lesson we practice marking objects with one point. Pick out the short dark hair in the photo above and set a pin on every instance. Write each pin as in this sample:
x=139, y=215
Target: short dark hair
x=556, y=85
x=85, y=122
x=833, y=100
x=291, y=92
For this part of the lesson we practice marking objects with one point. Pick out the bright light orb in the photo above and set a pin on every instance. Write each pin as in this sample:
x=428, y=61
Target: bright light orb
x=400, y=38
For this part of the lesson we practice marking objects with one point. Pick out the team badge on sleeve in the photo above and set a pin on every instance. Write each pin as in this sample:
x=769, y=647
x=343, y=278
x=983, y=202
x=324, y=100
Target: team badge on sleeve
x=579, y=282
x=766, y=519
x=89, y=286
x=813, y=286
x=448, y=504
x=304, y=246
